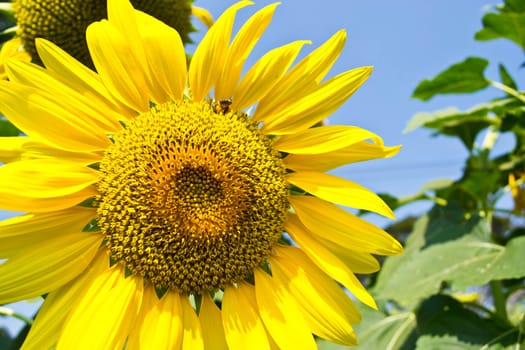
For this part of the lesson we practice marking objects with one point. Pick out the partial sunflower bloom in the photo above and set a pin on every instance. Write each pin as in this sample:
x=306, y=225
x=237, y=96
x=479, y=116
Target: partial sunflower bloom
x=65, y=22
x=156, y=211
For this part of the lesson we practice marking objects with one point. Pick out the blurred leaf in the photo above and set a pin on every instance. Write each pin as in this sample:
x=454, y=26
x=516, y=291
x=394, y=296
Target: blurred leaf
x=503, y=25
x=445, y=247
x=378, y=331
x=445, y=323
x=5, y=339
x=8, y=129
x=506, y=78
x=462, y=77
x=514, y=6
x=450, y=117
x=443, y=343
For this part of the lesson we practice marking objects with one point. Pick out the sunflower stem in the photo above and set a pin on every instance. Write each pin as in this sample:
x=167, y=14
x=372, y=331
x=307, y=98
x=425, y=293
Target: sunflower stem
x=10, y=312
x=498, y=296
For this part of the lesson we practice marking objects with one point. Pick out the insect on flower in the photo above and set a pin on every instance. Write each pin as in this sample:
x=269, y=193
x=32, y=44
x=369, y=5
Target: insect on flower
x=223, y=106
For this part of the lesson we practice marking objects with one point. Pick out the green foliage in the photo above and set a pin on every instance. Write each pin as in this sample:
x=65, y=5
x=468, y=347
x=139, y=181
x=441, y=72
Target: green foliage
x=466, y=76
x=459, y=283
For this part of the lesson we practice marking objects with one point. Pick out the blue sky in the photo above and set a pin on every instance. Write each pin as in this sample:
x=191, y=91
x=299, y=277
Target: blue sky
x=406, y=41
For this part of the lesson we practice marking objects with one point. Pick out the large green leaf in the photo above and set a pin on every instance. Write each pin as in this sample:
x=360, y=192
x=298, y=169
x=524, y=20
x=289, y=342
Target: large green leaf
x=462, y=77
x=8, y=129
x=378, y=331
x=450, y=117
x=445, y=323
x=445, y=247
x=506, y=25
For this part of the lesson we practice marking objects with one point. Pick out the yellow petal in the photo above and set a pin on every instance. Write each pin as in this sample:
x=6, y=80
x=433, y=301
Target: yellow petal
x=45, y=330
x=358, y=262
x=327, y=261
x=105, y=312
x=340, y=191
x=41, y=114
x=358, y=152
x=47, y=265
x=117, y=64
x=325, y=306
x=159, y=323
x=239, y=50
x=192, y=333
x=11, y=148
x=243, y=326
x=322, y=139
x=166, y=57
x=91, y=113
x=316, y=106
x=42, y=185
x=264, y=74
x=80, y=78
x=24, y=232
x=202, y=15
x=211, y=323
x=330, y=222
x=208, y=61
x=302, y=79
x=12, y=49
x=32, y=149
x=280, y=314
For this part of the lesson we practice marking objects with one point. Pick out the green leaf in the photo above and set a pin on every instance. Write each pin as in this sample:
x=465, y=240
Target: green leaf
x=445, y=323
x=8, y=129
x=504, y=25
x=462, y=77
x=378, y=331
x=506, y=78
x=514, y=6
x=446, y=247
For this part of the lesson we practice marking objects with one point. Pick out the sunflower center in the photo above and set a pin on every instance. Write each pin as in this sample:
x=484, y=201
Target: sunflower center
x=190, y=199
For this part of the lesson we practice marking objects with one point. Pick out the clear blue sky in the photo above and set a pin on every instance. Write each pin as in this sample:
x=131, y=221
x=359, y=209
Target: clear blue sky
x=406, y=41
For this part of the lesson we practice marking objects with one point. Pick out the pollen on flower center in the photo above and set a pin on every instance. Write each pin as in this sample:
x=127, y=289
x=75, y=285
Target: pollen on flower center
x=190, y=199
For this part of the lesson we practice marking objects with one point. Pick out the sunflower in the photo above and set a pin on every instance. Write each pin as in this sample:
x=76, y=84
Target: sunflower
x=160, y=214
x=11, y=49
x=65, y=22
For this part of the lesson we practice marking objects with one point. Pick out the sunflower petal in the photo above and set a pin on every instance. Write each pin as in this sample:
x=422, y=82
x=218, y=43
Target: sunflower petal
x=37, y=77
x=208, y=61
x=30, y=230
x=243, y=326
x=358, y=152
x=313, y=108
x=42, y=185
x=104, y=313
x=11, y=148
x=165, y=54
x=47, y=266
x=159, y=323
x=68, y=70
x=280, y=314
x=303, y=78
x=211, y=323
x=330, y=222
x=117, y=65
x=264, y=74
x=326, y=260
x=325, y=306
x=239, y=50
x=192, y=333
x=41, y=114
x=322, y=139
x=341, y=191
x=45, y=330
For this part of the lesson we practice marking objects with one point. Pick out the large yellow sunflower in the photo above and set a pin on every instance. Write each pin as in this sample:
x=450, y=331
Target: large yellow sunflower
x=160, y=217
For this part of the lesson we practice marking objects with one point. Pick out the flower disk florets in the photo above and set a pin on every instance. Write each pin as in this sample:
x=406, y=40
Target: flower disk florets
x=190, y=199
